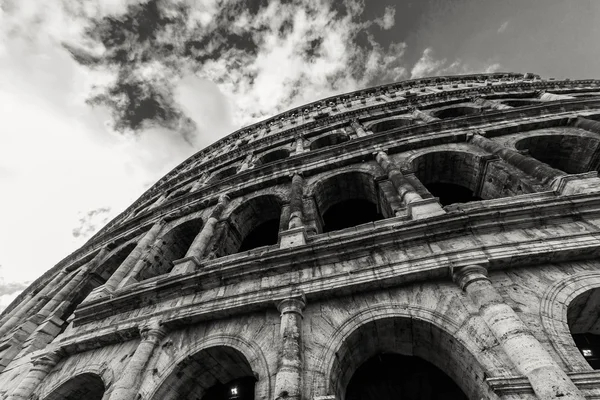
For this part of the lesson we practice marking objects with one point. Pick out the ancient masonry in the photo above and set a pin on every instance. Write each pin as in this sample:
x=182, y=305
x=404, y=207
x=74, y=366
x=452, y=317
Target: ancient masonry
x=436, y=238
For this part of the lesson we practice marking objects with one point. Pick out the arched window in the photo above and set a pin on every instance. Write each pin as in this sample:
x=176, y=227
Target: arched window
x=328, y=140
x=222, y=174
x=401, y=358
x=173, y=246
x=273, y=156
x=390, y=124
x=584, y=323
x=454, y=112
x=85, y=386
x=571, y=153
x=253, y=224
x=348, y=199
x=215, y=373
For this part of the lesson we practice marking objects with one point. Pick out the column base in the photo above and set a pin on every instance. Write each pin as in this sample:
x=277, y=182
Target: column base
x=292, y=237
x=587, y=182
x=185, y=265
x=425, y=208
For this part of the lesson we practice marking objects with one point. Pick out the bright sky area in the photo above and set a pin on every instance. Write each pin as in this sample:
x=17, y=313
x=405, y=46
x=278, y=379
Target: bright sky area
x=64, y=169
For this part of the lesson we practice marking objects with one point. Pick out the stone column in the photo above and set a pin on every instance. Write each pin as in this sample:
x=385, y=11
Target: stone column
x=295, y=235
x=288, y=382
x=405, y=190
x=418, y=114
x=133, y=257
x=539, y=170
x=246, y=163
x=198, y=184
x=530, y=358
x=585, y=123
x=40, y=369
x=202, y=240
x=20, y=311
x=299, y=145
x=128, y=383
x=359, y=128
x=544, y=96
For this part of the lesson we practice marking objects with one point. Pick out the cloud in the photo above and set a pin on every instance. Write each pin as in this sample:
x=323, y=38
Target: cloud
x=91, y=222
x=428, y=65
x=387, y=21
x=9, y=291
x=503, y=27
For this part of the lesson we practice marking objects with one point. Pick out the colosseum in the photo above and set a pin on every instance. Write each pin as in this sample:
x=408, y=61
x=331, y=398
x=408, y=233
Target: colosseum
x=428, y=239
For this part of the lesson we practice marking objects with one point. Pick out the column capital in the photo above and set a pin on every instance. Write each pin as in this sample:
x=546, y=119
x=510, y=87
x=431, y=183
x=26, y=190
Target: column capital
x=153, y=331
x=224, y=199
x=468, y=274
x=293, y=304
x=48, y=360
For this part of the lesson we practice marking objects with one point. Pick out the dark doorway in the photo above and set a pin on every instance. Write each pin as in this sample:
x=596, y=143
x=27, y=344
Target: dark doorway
x=237, y=389
x=449, y=193
x=589, y=345
x=264, y=234
x=390, y=376
x=350, y=213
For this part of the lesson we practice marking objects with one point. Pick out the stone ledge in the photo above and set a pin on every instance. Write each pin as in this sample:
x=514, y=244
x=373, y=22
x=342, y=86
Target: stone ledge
x=520, y=384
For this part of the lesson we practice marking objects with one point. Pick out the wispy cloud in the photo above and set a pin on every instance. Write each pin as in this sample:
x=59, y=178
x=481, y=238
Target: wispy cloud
x=429, y=65
x=503, y=27
x=387, y=21
x=91, y=221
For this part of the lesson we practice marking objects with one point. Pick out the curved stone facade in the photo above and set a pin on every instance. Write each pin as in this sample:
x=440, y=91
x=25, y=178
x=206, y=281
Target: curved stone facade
x=449, y=226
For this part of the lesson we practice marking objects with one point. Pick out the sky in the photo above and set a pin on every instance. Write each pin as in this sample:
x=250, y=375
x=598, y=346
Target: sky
x=99, y=99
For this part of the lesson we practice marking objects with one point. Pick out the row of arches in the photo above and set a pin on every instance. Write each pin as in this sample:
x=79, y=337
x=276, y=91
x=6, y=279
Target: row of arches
x=341, y=199
x=374, y=356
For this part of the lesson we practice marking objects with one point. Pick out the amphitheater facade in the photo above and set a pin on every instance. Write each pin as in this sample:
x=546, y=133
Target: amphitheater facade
x=428, y=239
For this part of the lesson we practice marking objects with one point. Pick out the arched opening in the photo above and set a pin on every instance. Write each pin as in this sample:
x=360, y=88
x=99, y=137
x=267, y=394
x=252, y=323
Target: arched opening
x=253, y=224
x=454, y=112
x=583, y=317
x=222, y=174
x=404, y=358
x=215, y=373
x=390, y=124
x=173, y=246
x=348, y=199
x=85, y=386
x=328, y=140
x=273, y=156
x=520, y=102
x=110, y=265
x=451, y=176
x=394, y=376
x=573, y=154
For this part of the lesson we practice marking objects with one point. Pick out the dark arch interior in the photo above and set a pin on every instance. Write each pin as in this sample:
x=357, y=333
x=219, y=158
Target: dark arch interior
x=390, y=124
x=253, y=224
x=224, y=173
x=349, y=199
x=583, y=317
x=329, y=140
x=573, y=154
x=273, y=156
x=84, y=386
x=520, y=102
x=454, y=112
x=215, y=373
x=450, y=193
x=389, y=376
x=350, y=213
x=173, y=246
x=264, y=234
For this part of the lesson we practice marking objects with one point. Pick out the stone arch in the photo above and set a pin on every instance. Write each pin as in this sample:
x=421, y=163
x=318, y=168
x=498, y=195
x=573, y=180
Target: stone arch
x=222, y=174
x=252, y=222
x=455, y=111
x=338, y=360
x=571, y=153
x=171, y=246
x=554, y=316
x=331, y=139
x=520, y=102
x=388, y=124
x=340, y=192
x=252, y=358
x=114, y=259
x=97, y=375
x=272, y=156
